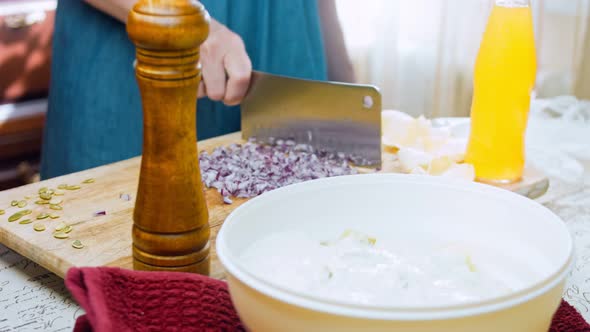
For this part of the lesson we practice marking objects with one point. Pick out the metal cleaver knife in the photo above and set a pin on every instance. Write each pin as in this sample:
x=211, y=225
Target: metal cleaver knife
x=330, y=116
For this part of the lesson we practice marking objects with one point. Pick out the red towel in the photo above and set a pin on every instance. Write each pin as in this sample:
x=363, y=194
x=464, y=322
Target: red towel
x=121, y=300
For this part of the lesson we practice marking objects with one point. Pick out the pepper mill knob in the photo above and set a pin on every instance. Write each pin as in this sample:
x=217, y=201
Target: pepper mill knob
x=170, y=220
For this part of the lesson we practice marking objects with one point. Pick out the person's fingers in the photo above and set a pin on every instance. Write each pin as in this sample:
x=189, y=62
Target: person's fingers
x=213, y=71
x=226, y=67
x=239, y=70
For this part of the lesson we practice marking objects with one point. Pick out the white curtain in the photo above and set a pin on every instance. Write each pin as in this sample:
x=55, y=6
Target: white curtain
x=421, y=53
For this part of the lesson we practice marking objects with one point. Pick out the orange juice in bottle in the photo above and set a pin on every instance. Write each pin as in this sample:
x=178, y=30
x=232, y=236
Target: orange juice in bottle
x=504, y=77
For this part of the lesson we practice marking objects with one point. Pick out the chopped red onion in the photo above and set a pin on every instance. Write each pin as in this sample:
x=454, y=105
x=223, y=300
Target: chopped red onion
x=251, y=169
x=100, y=213
x=125, y=197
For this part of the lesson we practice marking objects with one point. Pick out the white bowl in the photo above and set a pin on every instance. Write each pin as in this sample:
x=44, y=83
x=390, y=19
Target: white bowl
x=525, y=239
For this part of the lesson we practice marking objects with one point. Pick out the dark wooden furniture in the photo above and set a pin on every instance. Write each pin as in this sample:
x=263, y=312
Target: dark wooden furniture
x=26, y=29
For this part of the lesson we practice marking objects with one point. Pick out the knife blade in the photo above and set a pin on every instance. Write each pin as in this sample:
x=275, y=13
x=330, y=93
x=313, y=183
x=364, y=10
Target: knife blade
x=330, y=116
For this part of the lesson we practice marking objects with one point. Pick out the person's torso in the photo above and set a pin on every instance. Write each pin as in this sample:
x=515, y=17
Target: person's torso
x=94, y=107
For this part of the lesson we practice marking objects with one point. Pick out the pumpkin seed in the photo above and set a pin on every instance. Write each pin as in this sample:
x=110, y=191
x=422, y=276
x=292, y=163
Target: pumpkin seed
x=77, y=244
x=21, y=204
x=41, y=202
x=68, y=229
x=26, y=221
x=73, y=187
x=43, y=216
x=18, y=215
x=2, y=212
x=14, y=203
x=39, y=227
x=55, y=207
x=60, y=227
x=58, y=193
x=60, y=235
x=42, y=190
x=50, y=191
x=91, y=180
x=46, y=196
x=28, y=197
x=56, y=201
x=62, y=186
x=53, y=216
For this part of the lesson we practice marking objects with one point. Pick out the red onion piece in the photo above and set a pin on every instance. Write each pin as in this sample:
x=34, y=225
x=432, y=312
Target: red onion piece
x=125, y=197
x=100, y=213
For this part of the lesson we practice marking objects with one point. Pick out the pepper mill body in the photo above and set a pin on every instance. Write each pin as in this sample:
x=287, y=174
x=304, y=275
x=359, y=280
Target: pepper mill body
x=170, y=220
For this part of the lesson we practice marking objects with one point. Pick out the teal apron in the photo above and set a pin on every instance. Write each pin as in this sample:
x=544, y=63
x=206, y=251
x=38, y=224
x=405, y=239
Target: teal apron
x=94, y=115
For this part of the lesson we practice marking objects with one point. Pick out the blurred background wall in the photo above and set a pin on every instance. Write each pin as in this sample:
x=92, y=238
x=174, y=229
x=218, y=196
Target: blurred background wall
x=422, y=52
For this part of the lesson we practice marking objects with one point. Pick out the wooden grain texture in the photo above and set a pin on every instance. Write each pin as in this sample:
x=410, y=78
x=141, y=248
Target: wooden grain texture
x=107, y=238
x=170, y=221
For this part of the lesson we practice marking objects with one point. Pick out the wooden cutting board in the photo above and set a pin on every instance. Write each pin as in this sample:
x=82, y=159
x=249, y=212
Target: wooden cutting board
x=107, y=238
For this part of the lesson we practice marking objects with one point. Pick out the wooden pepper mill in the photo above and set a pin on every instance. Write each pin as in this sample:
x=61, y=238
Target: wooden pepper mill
x=170, y=228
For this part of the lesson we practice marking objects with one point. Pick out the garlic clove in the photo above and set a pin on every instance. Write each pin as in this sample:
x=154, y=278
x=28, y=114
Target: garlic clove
x=439, y=165
x=419, y=170
x=461, y=171
x=454, y=148
x=396, y=127
x=410, y=158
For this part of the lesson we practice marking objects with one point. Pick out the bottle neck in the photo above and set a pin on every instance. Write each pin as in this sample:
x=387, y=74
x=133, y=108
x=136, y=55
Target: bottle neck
x=513, y=3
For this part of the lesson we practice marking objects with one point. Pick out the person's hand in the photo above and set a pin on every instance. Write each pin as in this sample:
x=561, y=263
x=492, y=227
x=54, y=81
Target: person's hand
x=226, y=67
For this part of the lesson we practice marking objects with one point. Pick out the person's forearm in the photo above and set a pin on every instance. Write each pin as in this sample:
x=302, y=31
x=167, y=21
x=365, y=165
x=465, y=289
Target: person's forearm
x=118, y=9
x=339, y=66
